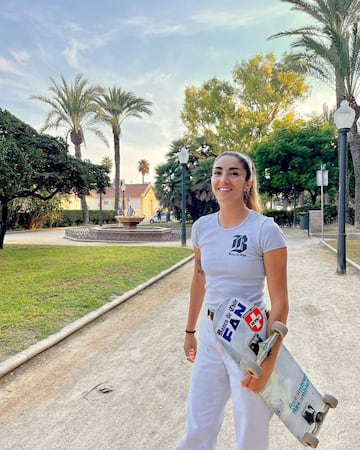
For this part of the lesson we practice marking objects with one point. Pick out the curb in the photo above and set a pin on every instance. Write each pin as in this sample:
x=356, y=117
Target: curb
x=350, y=261
x=20, y=358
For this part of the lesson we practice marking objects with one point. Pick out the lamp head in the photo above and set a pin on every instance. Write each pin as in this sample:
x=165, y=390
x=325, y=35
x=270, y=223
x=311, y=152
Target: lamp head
x=344, y=116
x=183, y=156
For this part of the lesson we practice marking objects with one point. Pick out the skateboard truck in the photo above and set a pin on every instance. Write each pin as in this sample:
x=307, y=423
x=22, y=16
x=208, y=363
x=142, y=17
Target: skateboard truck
x=262, y=349
x=312, y=416
x=316, y=418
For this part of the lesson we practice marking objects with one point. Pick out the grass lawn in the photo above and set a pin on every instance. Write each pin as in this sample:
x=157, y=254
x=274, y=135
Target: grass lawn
x=352, y=249
x=44, y=288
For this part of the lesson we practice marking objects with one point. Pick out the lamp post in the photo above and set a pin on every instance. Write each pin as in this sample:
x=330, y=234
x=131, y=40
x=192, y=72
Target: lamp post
x=183, y=160
x=123, y=188
x=100, y=210
x=344, y=119
x=322, y=180
x=294, y=215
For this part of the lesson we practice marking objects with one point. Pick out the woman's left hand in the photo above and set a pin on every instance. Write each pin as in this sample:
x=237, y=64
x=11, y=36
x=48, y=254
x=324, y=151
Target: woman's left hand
x=256, y=385
x=252, y=384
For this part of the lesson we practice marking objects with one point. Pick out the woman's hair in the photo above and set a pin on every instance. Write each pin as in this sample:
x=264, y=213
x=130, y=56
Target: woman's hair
x=251, y=197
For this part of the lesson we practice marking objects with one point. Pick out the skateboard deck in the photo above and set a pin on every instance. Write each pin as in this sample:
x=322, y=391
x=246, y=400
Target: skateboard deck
x=241, y=329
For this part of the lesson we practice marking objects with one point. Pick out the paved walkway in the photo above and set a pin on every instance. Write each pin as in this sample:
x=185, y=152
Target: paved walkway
x=57, y=237
x=121, y=382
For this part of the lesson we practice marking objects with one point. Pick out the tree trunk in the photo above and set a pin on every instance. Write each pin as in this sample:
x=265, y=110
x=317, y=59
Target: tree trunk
x=77, y=139
x=4, y=212
x=117, y=168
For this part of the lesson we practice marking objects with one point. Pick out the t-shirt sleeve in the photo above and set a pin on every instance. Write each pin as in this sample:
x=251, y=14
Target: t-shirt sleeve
x=271, y=236
x=195, y=234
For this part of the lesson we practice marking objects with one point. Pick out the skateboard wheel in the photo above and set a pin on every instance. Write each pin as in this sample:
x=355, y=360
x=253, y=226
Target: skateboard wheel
x=279, y=327
x=310, y=440
x=253, y=369
x=330, y=400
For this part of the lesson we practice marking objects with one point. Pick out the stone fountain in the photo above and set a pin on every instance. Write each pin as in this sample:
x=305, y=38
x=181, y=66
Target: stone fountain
x=126, y=230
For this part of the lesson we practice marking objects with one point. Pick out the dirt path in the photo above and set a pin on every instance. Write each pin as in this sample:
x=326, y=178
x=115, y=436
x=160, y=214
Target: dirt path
x=121, y=382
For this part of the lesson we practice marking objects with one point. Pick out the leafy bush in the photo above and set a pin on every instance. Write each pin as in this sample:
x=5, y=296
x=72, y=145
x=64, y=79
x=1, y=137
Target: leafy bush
x=283, y=217
x=69, y=218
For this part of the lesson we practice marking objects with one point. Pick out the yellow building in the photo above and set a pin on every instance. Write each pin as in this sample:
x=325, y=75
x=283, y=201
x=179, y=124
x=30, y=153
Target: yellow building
x=140, y=196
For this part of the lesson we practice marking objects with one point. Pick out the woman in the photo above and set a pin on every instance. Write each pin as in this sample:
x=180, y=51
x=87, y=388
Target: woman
x=235, y=250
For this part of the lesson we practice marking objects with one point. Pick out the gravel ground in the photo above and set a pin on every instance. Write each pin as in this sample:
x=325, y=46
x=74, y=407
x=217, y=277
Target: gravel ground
x=121, y=382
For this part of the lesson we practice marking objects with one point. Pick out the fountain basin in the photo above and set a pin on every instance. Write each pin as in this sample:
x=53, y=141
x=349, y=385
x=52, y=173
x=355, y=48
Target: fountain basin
x=129, y=221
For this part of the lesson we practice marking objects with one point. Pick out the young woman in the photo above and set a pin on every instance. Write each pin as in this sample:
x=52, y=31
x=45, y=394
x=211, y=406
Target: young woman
x=236, y=249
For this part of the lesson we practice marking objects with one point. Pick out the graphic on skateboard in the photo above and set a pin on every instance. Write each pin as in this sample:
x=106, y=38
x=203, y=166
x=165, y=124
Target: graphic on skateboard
x=241, y=329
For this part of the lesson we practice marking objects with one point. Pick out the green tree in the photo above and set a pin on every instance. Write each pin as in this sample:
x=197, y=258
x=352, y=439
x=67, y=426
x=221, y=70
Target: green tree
x=287, y=160
x=209, y=112
x=38, y=166
x=267, y=90
x=331, y=52
x=36, y=211
x=143, y=168
x=73, y=107
x=116, y=106
x=233, y=115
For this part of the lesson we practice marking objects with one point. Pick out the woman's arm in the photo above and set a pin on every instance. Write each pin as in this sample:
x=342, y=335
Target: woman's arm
x=275, y=263
x=197, y=294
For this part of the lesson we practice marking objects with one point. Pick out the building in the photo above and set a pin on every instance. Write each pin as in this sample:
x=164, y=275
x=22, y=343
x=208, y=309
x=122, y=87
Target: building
x=140, y=196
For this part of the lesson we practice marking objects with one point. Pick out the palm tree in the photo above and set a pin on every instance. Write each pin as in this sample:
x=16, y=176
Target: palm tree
x=328, y=53
x=73, y=107
x=331, y=52
x=116, y=106
x=143, y=168
x=107, y=162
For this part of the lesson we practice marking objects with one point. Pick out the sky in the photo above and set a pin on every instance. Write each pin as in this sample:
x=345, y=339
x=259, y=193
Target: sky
x=153, y=48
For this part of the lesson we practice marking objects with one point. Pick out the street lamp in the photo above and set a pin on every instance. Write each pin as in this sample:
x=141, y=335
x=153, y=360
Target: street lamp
x=100, y=210
x=344, y=118
x=183, y=160
x=123, y=188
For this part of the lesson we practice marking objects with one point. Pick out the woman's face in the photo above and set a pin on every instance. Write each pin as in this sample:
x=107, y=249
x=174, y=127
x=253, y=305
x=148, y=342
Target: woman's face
x=228, y=179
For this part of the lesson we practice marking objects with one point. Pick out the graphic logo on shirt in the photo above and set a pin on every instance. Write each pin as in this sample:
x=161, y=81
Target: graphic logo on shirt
x=239, y=244
x=254, y=319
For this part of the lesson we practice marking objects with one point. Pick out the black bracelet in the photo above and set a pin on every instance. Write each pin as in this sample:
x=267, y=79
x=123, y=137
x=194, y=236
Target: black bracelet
x=190, y=332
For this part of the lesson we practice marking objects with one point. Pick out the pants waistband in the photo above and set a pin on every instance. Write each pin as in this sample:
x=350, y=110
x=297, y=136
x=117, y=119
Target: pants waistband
x=211, y=314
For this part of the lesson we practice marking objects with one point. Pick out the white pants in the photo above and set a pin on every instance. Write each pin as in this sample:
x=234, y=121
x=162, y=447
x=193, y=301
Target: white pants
x=216, y=377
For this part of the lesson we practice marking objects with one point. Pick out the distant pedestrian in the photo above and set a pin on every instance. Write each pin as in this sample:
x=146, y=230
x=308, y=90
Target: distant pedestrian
x=130, y=211
x=120, y=211
x=158, y=215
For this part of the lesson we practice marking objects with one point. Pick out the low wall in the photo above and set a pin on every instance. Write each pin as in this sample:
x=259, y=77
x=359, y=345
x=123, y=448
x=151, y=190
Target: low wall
x=120, y=234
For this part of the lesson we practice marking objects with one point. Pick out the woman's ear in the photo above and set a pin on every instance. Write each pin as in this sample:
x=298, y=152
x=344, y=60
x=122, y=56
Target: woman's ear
x=248, y=185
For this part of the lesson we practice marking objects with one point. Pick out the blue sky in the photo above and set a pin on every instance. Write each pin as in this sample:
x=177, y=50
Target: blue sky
x=154, y=48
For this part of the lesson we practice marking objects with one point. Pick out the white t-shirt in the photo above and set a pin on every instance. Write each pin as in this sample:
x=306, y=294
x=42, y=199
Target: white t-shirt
x=232, y=258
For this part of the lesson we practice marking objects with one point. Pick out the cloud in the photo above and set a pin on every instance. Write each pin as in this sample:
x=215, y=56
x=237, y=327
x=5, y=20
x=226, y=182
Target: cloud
x=72, y=52
x=21, y=57
x=150, y=27
x=10, y=66
x=232, y=20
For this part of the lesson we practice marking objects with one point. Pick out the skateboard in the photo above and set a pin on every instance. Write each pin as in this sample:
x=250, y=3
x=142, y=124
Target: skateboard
x=241, y=328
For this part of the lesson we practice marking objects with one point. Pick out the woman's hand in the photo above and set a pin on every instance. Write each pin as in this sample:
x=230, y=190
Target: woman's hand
x=256, y=385
x=190, y=347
